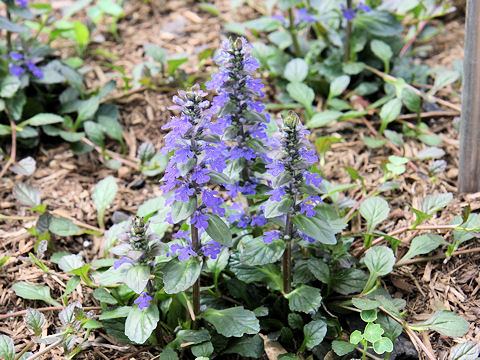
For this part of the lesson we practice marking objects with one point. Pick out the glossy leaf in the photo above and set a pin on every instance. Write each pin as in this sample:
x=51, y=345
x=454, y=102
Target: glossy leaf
x=234, y=321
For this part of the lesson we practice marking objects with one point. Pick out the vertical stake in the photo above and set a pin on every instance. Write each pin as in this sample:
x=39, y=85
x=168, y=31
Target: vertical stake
x=469, y=172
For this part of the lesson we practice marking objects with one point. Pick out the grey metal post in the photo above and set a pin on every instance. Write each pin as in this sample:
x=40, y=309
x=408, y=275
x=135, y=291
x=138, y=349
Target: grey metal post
x=469, y=172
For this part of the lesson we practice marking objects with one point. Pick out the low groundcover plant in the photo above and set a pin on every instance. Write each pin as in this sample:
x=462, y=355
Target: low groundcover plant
x=245, y=245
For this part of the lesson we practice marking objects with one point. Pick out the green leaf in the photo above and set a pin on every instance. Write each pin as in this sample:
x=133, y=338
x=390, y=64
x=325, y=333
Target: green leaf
x=373, y=332
x=168, y=354
x=218, y=230
x=301, y=93
x=234, y=321
x=72, y=285
x=182, y=210
x=137, y=278
x=277, y=208
x=118, y=312
x=70, y=262
x=379, y=260
x=7, y=348
x=423, y=244
x=356, y=337
x=364, y=304
x=190, y=337
x=32, y=292
x=383, y=345
x=296, y=70
x=374, y=143
x=304, y=299
x=257, y=252
x=82, y=35
x=43, y=119
x=110, y=7
x=88, y=108
x=338, y=86
x=443, y=79
x=323, y=118
x=342, y=347
x=430, y=153
x=63, y=227
x=10, y=85
x=180, y=275
x=374, y=210
x=446, y=323
x=433, y=203
x=469, y=350
x=35, y=320
x=412, y=101
x=369, y=315
x=141, y=323
x=26, y=194
x=314, y=333
x=319, y=229
x=204, y=349
x=383, y=51
x=103, y=195
x=247, y=347
x=156, y=52
x=295, y=321
x=319, y=269
x=378, y=23
x=349, y=281
x=389, y=112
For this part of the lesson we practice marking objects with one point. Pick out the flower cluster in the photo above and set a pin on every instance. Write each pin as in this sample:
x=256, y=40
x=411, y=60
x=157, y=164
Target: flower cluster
x=185, y=251
x=301, y=16
x=20, y=65
x=197, y=152
x=243, y=220
x=291, y=168
x=240, y=116
x=139, y=245
x=349, y=13
x=143, y=300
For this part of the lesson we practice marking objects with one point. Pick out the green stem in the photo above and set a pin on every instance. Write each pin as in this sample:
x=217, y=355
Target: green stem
x=348, y=34
x=25, y=349
x=44, y=351
x=196, y=285
x=287, y=256
x=293, y=33
x=9, y=34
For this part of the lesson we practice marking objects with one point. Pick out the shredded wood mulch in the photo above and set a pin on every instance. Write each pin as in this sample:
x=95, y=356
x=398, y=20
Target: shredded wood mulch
x=66, y=181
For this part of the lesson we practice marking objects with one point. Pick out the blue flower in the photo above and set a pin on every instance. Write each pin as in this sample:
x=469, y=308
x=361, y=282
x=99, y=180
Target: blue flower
x=16, y=70
x=123, y=260
x=212, y=249
x=143, y=300
x=349, y=13
x=303, y=15
x=184, y=252
x=22, y=3
x=16, y=55
x=271, y=235
x=200, y=220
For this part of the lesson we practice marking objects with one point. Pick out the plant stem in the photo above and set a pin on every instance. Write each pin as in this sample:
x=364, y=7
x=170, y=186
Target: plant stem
x=293, y=33
x=44, y=351
x=13, y=151
x=196, y=285
x=9, y=34
x=348, y=34
x=23, y=312
x=25, y=349
x=437, y=257
x=390, y=78
x=287, y=256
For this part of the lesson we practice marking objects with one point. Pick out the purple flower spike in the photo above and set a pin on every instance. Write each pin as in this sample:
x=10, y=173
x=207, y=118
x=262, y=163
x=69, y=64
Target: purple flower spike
x=143, y=300
x=16, y=55
x=16, y=70
x=123, y=260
